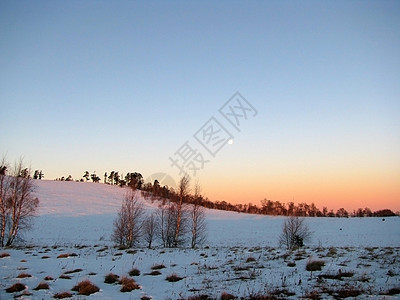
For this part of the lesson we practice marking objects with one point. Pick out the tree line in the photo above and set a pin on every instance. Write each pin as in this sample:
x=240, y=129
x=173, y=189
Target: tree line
x=268, y=207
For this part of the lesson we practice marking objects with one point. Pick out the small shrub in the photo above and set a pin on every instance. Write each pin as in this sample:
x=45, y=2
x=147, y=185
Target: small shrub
x=291, y=264
x=48, y=278
x=158, y=267
x=134, y=272
x=128, y=284
x=42, y=286
x=63, y=276
x=4, y=254
x=173, y=278
x=111, y=278
x=16, y=287
x=85, y=287
x=45, y=257
x=62, y=295
x=24, y=275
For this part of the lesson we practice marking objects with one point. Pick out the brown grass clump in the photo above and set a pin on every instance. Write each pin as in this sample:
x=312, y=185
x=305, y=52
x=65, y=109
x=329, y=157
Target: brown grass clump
x=16, y=287
x=73, y=271
x=250, y=259
x=315, y=265
x=4, y=254
x=154, y=273
x=111, y=278
x=173, y=278
x=227, y=296
x=63, y=276
x=128, y=284
x=134, y=272
x=62, y=295
x=85, y=287
x=158, y=267
x=24, y=275
x=66, y=255
x=48, y=278
x=42, y=286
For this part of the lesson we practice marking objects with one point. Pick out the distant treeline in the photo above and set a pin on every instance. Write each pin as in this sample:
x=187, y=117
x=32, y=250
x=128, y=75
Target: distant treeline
x=155, y=191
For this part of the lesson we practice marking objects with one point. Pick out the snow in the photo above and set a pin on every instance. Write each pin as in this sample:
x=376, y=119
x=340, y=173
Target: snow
x=77, y=218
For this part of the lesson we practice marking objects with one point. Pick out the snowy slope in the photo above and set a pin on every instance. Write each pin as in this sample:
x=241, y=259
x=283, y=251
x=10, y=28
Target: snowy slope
x=242, y=257
x=72, y=212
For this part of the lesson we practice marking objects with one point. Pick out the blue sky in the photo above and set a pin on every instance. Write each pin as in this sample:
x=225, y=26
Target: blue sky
x=104, y=86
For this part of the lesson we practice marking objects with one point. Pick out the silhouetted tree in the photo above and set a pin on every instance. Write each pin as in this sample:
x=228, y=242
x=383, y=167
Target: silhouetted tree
x=294, y=233
x=86, y=175
x=94, y=177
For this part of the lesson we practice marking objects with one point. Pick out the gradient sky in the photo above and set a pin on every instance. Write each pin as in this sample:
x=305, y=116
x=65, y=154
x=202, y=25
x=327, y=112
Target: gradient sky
x=115, y=85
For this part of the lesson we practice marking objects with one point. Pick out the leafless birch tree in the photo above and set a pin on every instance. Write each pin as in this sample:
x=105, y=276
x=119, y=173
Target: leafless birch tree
x=183, y=193
x=128, y=224
x=150, y=229
x=18, y=205
x=197, y=216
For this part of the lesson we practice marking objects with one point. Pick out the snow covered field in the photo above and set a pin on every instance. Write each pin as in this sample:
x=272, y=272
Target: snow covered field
x=240, y=258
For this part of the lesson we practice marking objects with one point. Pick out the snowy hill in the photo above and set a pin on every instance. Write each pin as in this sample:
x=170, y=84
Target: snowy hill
x=73, y=213
x=70, y=243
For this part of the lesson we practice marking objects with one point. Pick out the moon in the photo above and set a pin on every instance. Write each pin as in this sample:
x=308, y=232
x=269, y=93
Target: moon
x=230, y=142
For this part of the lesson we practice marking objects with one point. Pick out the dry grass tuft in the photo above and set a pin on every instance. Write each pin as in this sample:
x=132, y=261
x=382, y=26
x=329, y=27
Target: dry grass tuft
x=158, y=267
x=66, y=255
x=173, y=278
x=85, y=287
x=315, y=265
x=24, y=275
x=16, y=287
x=73, y=271
x=4, y=254
x=134, y=272
x=250, y=259
x=42, y=286
x=227, y=296
x=111, y=278
x=128, y=284
x=62, y=295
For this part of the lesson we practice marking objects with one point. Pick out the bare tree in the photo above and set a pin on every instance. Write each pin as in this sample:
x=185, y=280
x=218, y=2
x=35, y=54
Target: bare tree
x=197, y=216
x=183, y=193
x=167, y=213
x=294, y=233
x=18, y=205
x=150, y=229
x=128, y=224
